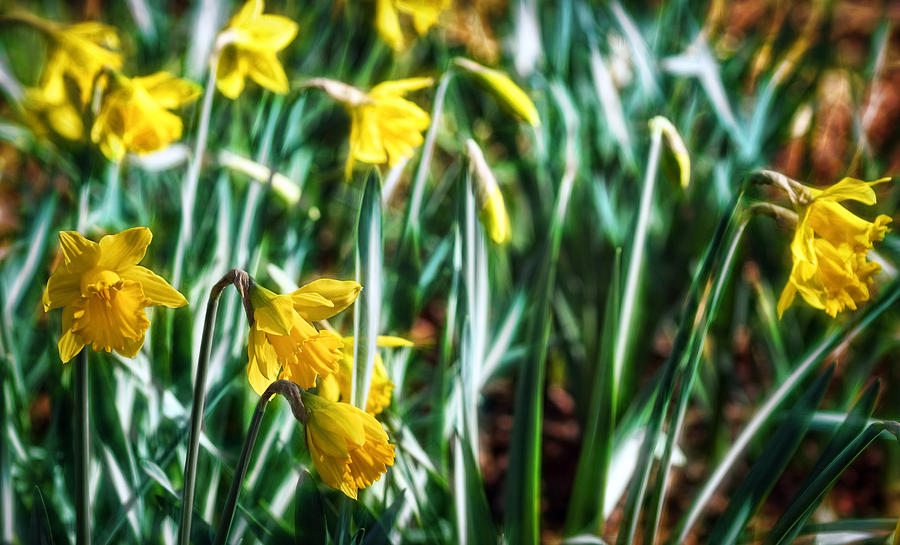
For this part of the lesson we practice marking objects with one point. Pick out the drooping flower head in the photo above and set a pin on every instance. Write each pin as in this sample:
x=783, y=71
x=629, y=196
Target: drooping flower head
x=424, y=13
x=103, y=292
x=385, y=127
x=283, y=341
x=348, y=446
x=340, y=385
x=45, y=106
x=504, y=89
x=134, y=114
x=249, y=43
x=829, y=248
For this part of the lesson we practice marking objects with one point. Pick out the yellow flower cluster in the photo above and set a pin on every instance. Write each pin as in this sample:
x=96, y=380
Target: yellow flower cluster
x=133, y=114
x=103, y=292
x=830, y=246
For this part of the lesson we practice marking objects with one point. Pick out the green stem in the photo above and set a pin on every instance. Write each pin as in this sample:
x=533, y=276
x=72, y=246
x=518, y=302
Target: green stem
x=82, y=451
x=192, y=177
x=241, y=281
x=291, y=392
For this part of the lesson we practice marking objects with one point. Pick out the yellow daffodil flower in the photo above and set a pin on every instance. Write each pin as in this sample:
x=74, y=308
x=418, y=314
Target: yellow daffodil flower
x=338, y=386
x=103, y=292
x=504, y=89
x=134, y=114
x=248, y=46
x=283, y=341
x=424, y=13
x=348, y=446
x=829, y=248
x=80, y=51
x=385, y=127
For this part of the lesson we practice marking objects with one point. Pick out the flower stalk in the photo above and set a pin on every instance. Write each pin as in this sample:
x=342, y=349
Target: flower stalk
x=192, y=176
x=82, y=452
x=241, y=280
x=289, y=391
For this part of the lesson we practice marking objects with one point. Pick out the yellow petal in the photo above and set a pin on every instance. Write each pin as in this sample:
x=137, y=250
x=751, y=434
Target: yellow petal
x=257, y=380
x=268, y=33
x=388, y=341
x=851, y=189
x=63, y=288
x=387, y=22
x=399, y=87
x=168, y=91
x=786, y=298
x=276, y=316
x=155, y=287
x=248, y=12
x=130, y=347
x=265, y=70
x=366, y=143
x=340, y=293
x=124, y=249
x=231, y=72
x=79, y=253
x=69, y=345
x=331, y=469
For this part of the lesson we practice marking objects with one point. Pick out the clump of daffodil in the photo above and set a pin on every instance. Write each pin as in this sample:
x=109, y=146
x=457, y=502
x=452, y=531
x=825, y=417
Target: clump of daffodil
x=247, y=47
x=79, y=51
x=504, y=89
x=348, y=446
x=283, y=341
x=78, y=55
x=134, y=113
x=385, y=127
x=103, y=292
x=338, y=386
x=830, y=267
x=424, y=15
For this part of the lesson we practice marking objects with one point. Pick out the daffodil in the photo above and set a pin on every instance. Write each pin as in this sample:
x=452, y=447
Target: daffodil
x=348, y=446
x=385, y=127
x=424, y=13
x=338, y=386
x=103, y=292
x=248, y=46
x=283, y=341
x=492, y=208
x=831, y=271
x=134, y=114
x=79, y=51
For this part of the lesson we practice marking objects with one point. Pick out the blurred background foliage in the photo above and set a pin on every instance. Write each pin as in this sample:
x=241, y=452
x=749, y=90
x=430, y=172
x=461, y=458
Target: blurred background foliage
x=810, y=89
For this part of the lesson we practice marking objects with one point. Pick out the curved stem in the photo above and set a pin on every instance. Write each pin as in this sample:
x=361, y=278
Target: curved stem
x=241, y=281
x=82, y=451
x=289, y=391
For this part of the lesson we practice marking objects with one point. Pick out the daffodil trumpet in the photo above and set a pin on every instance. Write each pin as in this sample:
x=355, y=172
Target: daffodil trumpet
x=292, y=393
x=241, y=281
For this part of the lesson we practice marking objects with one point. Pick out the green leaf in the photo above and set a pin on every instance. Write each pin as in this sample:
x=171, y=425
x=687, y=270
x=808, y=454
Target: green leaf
x=369, y=263
x=768, y=468
x=310, y=525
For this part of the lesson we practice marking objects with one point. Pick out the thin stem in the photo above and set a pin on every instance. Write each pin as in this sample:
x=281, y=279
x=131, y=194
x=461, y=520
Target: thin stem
x=289, y=391
x=192, y=177
x=635, y=262
x=241, y=281
x=82, y=451
x=418, y=191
